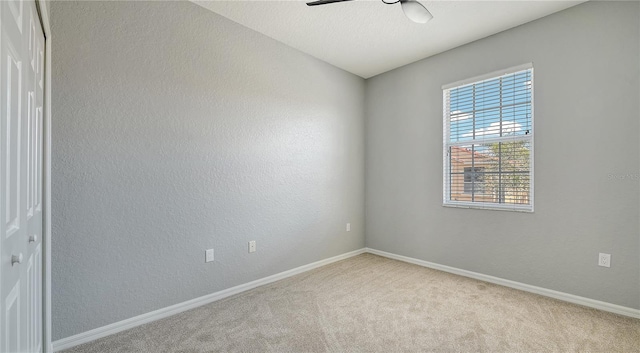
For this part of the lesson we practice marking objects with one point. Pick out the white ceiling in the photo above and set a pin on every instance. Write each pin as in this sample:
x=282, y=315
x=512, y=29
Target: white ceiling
x=367, y=37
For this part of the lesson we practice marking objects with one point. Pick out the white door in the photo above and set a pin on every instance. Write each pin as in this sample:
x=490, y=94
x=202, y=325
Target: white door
x=21, y=98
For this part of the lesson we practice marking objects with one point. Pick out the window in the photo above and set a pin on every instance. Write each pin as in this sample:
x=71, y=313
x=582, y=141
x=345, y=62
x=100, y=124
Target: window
x=488, y=141
x=473, y=179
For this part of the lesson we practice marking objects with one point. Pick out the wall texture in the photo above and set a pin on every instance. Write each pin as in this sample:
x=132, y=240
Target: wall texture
x=587, y=185
x=176, y=130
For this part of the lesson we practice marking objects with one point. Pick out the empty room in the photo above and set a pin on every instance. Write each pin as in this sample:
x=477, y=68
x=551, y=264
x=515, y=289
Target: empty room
x=320, y=176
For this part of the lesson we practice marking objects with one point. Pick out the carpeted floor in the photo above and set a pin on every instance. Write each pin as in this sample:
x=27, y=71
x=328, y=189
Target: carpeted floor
x=372, y=304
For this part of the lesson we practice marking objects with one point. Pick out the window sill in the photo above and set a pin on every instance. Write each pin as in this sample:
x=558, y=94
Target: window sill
x=490, y=206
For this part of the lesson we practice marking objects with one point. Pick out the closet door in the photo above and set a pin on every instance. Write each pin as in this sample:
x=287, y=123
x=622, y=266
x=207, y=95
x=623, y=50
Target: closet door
x=21, y=98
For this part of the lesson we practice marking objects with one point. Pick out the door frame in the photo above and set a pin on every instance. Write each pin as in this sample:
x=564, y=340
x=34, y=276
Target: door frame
x=46, y=239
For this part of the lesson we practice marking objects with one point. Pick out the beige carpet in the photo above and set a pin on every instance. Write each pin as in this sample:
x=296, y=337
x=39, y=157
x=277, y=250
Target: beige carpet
x=372, y=304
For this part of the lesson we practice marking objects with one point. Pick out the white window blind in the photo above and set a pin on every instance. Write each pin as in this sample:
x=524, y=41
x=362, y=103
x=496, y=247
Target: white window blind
x=488, y=141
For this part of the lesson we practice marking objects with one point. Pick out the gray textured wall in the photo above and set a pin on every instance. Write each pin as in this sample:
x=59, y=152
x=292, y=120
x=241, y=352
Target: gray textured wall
x=177, y=130
x=586, y=61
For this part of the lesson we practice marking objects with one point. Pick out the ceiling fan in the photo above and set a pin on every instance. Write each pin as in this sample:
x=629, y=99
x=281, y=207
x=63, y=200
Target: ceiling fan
x=414, y=10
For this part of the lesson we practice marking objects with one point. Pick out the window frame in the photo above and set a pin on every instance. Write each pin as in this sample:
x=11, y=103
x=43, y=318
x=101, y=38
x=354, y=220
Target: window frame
x=446, y=201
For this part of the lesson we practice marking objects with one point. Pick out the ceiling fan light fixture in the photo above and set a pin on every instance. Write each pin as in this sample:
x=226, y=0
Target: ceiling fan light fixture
x=415, y=11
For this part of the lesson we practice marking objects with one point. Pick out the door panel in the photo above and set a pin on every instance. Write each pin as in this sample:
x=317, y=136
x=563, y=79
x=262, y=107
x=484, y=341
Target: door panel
x=13, y=121
x=12, y=320
x=30, y=294
x=21, y=98
x=36, y=300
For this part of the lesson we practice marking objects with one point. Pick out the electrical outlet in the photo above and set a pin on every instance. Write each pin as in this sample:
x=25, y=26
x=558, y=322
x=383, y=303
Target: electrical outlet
x=348, y=227
x=208, y=255
x=604, y=260
x=252, y=246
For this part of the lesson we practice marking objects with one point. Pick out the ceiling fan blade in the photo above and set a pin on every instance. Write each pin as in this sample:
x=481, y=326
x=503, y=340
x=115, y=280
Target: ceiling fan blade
x=415, y=11
x=324, y=2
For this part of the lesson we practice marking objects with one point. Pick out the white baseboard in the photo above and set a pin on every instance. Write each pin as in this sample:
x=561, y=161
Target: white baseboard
x=592, y=303
x=115, y=327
